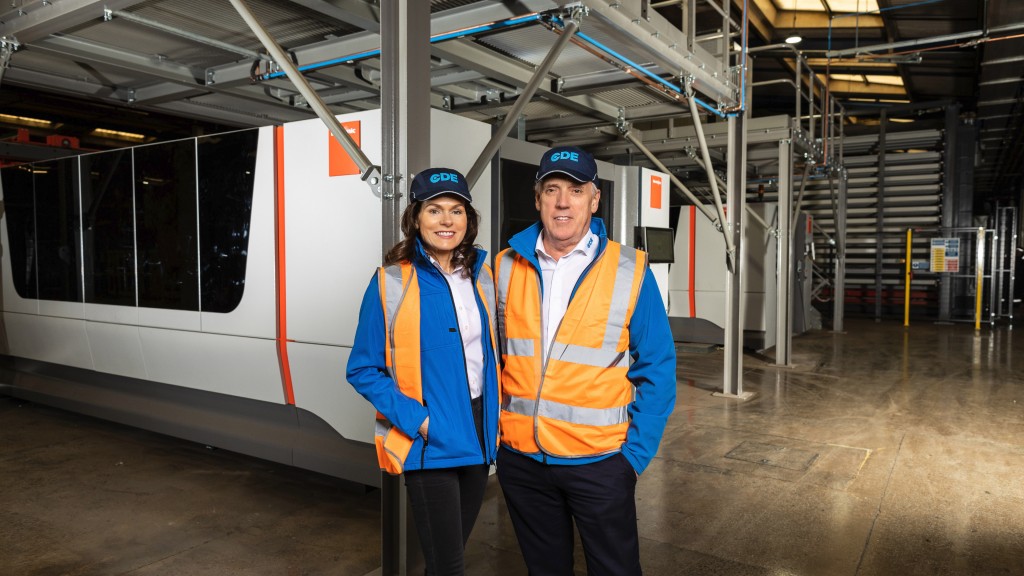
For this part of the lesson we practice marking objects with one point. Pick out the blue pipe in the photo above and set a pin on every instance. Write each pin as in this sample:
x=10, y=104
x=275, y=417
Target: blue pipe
x=629, y=62
x=435, y=38
x=647, y=73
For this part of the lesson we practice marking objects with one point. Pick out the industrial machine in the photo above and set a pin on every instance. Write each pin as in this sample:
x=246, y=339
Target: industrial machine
x=696, y=281
x=207, y=288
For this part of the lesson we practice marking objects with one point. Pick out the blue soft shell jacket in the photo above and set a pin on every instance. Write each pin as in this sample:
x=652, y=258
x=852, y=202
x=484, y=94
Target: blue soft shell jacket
x=452, y=435
x=653, y=371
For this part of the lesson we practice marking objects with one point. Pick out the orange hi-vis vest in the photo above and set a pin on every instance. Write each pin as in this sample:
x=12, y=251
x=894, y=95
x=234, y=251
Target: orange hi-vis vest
x=573, y=401
x=400, y=298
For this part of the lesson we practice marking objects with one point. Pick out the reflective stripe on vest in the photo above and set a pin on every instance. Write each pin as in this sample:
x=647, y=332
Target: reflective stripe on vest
x=400, y=299
x=574, y=402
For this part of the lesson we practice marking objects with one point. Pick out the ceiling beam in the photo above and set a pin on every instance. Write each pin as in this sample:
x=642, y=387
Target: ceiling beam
x=470, y=55
x=362, y=15
x=38, y=19
x=80, y=50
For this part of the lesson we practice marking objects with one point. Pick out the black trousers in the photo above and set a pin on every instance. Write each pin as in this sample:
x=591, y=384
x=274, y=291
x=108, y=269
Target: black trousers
x=445, y=503
x=544, y=500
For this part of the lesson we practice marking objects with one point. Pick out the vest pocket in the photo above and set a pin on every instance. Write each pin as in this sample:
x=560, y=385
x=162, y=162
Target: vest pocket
x=392, y=446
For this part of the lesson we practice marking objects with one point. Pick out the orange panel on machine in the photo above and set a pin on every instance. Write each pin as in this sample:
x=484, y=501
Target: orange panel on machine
x=341, y=164
x=656, y=192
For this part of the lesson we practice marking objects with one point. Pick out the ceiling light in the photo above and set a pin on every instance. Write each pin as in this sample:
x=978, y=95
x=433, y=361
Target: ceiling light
x=118, y=134
x=25, y=121
x=794, y=35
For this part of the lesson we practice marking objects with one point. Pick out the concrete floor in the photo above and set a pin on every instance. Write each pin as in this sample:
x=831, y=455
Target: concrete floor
x=881, y=451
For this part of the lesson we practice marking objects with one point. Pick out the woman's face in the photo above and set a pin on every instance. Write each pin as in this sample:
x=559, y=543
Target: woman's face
x=442, y=224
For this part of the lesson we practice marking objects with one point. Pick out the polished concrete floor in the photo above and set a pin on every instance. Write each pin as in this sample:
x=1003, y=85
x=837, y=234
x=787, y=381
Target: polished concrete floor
x=881, y=450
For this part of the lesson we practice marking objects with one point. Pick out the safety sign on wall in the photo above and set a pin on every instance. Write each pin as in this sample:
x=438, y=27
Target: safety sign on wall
x=945, y=255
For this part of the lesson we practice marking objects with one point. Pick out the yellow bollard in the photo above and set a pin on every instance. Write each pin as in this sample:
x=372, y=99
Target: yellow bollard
x=906, y=290
x=979, y=272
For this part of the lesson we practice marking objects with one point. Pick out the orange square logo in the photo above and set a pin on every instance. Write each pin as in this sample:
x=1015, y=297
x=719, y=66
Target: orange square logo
x=341, y=164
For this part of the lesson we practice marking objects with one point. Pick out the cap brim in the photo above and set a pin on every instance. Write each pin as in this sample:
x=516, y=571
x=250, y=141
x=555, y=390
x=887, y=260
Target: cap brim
x=576, y=177
x=432, y=195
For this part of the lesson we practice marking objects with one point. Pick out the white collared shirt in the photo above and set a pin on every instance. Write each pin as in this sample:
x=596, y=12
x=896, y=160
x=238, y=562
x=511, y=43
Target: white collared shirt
x=559, y=277
x=464, y=297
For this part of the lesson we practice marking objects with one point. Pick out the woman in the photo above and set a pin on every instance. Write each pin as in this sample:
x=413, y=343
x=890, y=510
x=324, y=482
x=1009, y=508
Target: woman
x=424, y=357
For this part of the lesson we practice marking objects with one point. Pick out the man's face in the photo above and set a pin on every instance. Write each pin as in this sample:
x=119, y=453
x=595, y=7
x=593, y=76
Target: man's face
x=565, y=208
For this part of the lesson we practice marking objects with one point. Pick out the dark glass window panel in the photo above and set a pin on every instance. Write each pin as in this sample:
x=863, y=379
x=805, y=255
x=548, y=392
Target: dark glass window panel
x=227, y=166
x=108, y=224
x=165, y=225
x=57, y=230
x=19, y=210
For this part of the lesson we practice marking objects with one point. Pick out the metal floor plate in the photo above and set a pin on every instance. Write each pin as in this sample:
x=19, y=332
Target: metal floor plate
x=773, y=455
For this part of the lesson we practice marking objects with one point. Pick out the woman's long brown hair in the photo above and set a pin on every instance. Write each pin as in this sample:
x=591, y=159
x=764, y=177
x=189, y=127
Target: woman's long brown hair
x=464, y=254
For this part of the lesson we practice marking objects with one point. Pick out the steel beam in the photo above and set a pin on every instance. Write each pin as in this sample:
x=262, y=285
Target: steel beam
x=363, y=15
x=37, y=19
x=664, y=42
x=784, y=251
x=173, y=30
x=190, y=79
x=730, y=245
x=880, y=217
x=839, y=232
x=732, y=377
x=369, y=172
x=470, y=55
x=405, y=111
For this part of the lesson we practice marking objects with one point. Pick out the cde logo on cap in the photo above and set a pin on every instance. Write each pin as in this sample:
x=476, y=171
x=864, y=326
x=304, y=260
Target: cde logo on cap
x=434, y=182
x=444, y=177
x=564, y=155
x=571, y=161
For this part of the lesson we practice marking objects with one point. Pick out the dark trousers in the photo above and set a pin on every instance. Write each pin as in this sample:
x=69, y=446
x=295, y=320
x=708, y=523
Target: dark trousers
x=544, y=500
x=445, y=503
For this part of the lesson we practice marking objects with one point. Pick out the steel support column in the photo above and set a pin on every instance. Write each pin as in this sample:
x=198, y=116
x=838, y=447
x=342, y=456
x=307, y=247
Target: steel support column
x=880, y=218
x=732, y=380
x=405, y=111
x=784, y=251
x=839, y=283
x=950, y=201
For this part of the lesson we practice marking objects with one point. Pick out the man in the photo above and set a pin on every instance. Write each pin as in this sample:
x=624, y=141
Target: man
x=579, y=423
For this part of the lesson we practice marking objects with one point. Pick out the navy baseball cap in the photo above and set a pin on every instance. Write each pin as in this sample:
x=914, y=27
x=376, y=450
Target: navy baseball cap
x=569, y=160
x=434, y=182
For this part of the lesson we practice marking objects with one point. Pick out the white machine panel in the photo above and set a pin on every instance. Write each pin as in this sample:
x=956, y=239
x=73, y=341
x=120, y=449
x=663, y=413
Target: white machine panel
x=318, y=377
x=171, y=319
x=116, y=349
x=244, y=367
x=709, y=272
x=333, y=231
x=62, y=309
x=50, y=339
x=115, y=314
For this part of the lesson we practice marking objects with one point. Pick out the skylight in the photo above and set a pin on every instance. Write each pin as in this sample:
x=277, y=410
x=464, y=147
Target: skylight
x=836, y=6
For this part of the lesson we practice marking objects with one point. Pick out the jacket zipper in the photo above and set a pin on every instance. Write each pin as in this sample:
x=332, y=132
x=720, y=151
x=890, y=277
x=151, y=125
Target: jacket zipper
x=423, y=453
x=465, y=367
x=543, y=335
